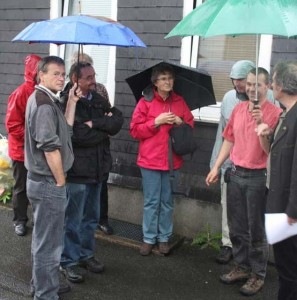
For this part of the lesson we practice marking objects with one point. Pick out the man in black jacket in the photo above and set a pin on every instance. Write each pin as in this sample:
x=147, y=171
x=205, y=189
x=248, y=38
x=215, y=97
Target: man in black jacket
x=282, y=175
x=94, y=121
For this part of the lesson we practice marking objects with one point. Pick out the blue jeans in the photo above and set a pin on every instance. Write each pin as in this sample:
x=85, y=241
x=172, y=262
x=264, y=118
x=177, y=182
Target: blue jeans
x=158, y=206
x=81, y=220
x=48, y=203
x=246, y=202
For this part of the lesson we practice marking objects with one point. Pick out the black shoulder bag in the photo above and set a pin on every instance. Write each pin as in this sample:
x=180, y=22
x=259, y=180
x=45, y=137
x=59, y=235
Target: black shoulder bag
x=182, y=139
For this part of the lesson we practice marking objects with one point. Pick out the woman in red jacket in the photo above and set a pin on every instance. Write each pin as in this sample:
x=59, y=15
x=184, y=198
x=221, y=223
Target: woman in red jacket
x=15, y=125
x=151, y=122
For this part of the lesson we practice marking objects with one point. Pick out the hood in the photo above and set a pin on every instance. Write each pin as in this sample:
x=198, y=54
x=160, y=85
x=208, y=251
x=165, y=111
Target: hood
x=241, y=68
x=31, y=63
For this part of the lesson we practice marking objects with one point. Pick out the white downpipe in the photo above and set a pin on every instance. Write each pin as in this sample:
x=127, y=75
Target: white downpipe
x=112, y=59
x=195, y=44
x=189, y=44
x=186, y=42
x=55, y=12
x=265, y=51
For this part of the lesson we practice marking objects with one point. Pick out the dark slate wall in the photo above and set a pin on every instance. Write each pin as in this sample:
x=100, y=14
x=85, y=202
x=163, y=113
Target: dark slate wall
x=283, y=49
x=152, y=20
x=15, y=15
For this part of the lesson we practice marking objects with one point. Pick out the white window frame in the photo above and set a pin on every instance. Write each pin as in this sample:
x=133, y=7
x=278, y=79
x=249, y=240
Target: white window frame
x=189, y=55
x=56, y=11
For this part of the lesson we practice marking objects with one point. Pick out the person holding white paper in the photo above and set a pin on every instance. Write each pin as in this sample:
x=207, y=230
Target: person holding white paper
x=282, y=184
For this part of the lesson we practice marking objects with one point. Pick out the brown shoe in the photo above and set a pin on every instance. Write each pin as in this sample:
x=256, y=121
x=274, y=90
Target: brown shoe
x=236, y=274
x=252, y=286
x=146, y=249
x=164, y=247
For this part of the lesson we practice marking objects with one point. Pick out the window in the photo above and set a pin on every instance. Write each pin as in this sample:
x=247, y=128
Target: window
x=216, y=55
x=103, y=56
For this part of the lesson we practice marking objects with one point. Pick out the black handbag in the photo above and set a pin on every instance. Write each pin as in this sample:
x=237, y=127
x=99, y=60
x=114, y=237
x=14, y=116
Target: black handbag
x=182, y=139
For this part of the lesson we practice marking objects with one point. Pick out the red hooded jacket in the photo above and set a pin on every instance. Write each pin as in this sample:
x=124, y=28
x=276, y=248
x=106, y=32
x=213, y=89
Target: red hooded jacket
x=15, y=115
x=153, y=141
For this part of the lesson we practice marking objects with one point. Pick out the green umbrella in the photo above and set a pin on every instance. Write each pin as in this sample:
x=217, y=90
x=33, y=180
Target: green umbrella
x=240, y=17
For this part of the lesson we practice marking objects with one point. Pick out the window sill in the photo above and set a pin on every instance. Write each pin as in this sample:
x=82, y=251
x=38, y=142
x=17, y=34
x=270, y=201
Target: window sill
x=208, y=114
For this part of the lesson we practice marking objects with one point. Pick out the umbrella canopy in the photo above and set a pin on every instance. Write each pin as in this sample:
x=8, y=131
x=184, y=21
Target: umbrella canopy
x=240, y=17
x=237, y=17
x=193, y=85
x=84, y=30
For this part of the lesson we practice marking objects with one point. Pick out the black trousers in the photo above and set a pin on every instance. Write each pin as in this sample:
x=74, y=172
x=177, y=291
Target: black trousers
x=20, y=201
x=104, y=203
x=285, y=254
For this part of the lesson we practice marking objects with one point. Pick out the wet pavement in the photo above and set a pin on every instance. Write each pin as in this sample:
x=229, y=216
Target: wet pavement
x=187, y=273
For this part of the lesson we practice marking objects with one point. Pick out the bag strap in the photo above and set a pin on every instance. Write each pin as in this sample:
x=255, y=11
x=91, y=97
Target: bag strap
x=170, y=155
x=170, y=159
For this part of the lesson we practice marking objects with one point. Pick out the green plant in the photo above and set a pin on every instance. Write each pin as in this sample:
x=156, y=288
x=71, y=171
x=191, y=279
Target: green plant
x=206, y=238
x=6, y=196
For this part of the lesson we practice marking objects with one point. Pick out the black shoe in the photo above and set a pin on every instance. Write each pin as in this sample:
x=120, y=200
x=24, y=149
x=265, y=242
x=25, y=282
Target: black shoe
x=92, y=265
x=105, y=228
x=63, y=288
x=73, y=274
x=225, y=255
x=20, y=229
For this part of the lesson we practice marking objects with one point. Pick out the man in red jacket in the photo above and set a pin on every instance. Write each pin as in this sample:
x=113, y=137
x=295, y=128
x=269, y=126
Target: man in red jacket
x=15, y=126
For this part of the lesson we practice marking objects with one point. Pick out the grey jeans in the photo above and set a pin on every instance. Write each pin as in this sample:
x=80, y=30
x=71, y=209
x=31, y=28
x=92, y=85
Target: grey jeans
x=48, y=203
x=246, y=201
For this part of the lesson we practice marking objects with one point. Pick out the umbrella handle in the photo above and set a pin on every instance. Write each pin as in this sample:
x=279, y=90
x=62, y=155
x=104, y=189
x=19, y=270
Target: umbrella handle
x=78, y=55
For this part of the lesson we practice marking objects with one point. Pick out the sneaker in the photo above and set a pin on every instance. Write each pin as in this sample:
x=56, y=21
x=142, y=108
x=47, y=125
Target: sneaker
x=236, y=274
x=106, y=228
x=252, y=286
x=92, y=265
x=20, y=229
x=164, y=247
x=73, y=274
x=225, y=255
x=146, y=249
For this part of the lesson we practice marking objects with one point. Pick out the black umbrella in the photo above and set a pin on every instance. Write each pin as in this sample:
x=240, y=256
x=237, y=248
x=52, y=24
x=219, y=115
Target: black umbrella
x=194, y=85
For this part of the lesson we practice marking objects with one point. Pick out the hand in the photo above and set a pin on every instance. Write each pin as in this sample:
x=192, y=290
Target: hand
x=178, y=121
x=108, y=114
x=292, y=221
x=165, y=118
x=212, y=176
x=263, y=130
x=89, y=123
x=257, y=114
x=75, y=93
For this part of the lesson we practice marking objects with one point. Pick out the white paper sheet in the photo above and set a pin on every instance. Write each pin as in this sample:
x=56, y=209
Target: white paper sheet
x=277, y=228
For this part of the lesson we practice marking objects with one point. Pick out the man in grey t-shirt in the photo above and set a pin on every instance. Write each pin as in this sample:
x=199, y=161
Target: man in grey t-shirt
x=48, y=156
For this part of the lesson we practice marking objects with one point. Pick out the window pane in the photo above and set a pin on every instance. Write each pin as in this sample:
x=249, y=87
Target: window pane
x=216, y=55
x=103, y=56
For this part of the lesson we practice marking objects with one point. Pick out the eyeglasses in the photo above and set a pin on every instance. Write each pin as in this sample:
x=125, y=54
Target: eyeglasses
x=165, y=78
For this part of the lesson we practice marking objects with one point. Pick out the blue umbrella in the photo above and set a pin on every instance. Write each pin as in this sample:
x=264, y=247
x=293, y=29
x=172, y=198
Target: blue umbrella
x=81, y=29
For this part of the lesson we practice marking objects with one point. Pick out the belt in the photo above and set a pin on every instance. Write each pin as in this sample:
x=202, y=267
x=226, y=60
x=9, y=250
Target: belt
x=246, y=170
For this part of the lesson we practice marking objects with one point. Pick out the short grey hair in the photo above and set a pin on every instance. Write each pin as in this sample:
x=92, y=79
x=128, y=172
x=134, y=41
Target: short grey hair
x=47, y=60
x=285, y=76
x=82, y=57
